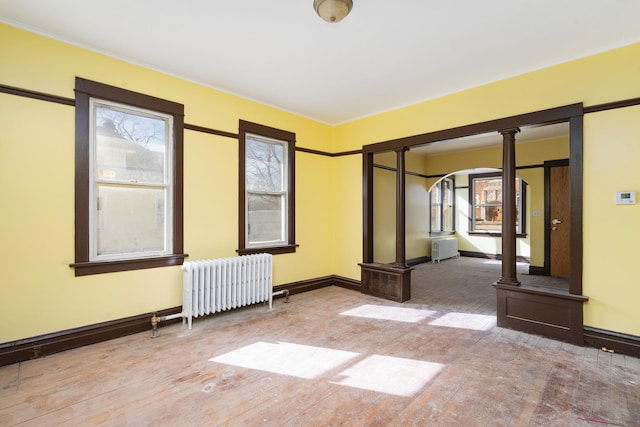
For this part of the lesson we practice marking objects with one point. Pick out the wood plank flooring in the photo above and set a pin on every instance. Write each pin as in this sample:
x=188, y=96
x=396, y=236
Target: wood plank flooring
x=306, y=363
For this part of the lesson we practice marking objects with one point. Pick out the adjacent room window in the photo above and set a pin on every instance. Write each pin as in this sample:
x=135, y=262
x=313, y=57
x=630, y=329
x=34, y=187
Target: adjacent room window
x=267, y=196
x=485, y=197
x=442, y=207
x=128, y=180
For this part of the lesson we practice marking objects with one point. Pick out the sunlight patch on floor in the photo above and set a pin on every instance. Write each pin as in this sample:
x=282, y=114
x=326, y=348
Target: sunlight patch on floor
x=400, y=314
x=383, y=374
x=390, y=375
x=296, y=360
x=476, y=322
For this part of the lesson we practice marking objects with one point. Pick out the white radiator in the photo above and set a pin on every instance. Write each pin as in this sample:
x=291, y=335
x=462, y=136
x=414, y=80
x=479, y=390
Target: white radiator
x=214, y=285
x=444, y=248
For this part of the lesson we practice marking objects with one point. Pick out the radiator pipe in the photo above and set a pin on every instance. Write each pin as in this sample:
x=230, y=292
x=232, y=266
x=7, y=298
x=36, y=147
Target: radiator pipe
x=157, y=319
x=284, y=292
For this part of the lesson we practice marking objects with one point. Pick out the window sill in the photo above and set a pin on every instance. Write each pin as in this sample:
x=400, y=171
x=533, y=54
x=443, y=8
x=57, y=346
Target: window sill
x=441, y=233
x=273, y=250
x=491, y=234
x=85, y=268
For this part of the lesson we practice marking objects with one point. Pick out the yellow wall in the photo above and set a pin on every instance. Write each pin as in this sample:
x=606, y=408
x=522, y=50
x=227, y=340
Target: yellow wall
x=38, y=290
x=39, y=293
x=611, y=232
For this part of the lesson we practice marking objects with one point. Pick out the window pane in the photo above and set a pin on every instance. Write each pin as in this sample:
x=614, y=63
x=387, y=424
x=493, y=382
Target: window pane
x=264, y=167
x=435, y=208
x=266, y=218
x=447, y=205
x=130, y=147
x=130, y=220
x=487, y=204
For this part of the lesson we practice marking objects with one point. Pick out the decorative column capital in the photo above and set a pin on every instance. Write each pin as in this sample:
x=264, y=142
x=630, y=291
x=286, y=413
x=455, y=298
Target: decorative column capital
x=401, y=150
x=509, y=131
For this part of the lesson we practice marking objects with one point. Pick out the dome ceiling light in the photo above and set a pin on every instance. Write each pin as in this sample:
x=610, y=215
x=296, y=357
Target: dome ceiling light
x=332, y=11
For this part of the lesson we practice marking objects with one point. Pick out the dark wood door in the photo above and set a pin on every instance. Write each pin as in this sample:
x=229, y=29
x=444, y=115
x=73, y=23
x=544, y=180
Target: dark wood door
x=559, y=221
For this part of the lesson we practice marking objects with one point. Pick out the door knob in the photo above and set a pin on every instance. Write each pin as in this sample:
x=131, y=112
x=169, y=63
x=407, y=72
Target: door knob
x=556, y=221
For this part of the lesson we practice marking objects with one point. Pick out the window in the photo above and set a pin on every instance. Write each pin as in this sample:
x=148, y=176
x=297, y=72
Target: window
x=442, y=207
x=128, y=180
x=267, y=196
x=485, y=197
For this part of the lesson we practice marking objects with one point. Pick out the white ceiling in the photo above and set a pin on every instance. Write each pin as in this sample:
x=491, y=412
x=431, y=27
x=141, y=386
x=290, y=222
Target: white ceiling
x=384, y=55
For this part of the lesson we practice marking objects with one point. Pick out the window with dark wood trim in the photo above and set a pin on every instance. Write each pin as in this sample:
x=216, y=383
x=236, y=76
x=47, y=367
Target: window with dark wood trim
x=485, y=204
x=128, y=180
x=266, y=189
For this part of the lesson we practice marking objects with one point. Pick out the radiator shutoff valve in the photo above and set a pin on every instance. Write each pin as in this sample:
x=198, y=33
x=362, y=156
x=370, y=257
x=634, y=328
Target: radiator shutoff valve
x=154, y=326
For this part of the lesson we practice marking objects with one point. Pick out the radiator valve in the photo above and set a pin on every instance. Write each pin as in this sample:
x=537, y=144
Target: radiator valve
x=154, y=325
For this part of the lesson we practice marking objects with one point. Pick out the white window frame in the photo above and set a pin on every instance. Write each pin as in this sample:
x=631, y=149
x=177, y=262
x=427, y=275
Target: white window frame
x=95, y=182
x=283, y=193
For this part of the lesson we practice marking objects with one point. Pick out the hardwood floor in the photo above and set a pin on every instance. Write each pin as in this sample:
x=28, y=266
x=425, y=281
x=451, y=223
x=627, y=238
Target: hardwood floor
x=329, y=357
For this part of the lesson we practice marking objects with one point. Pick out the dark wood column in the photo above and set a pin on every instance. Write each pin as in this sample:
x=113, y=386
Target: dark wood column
x=509, y=207
x=401, y=258
x=390, y=281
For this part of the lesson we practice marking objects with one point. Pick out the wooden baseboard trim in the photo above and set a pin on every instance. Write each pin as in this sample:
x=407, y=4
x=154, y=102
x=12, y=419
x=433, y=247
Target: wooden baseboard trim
x=317, y=283
x=44, y=345
x=620, y=343
x=535, y=270
x=419, y=260
x=498, y=257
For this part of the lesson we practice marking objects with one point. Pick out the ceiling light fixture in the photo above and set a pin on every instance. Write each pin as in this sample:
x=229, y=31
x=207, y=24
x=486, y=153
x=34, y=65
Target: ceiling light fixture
x=332, y=11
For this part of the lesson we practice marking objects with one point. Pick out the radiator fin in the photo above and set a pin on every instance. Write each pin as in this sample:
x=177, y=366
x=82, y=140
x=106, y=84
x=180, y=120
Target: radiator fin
x=215, y=285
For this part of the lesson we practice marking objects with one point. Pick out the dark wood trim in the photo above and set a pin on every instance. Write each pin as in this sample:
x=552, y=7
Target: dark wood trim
x=367, y=207
x=85, y=90
x=418, y=260
x=552, y=115
x=273, y=250
x=529, y=166
x=89, y=267
x=41, y=96
x=401, y=190
x=211, y=131
x=244, y=128
x=612, y=105
x=124, y=96
x=44, y=345
x=576, y=188
x=497, y=257
x=325, y=153
x=547, y=211
x=535, y=270
x=346, y=283
x=392, y=169
x=312, y=151
x=620, y=343
x=346, y=153
x=318, y=283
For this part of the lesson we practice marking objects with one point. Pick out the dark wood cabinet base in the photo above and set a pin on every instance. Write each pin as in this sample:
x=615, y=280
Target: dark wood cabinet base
x=386, y=281
x=540, y=311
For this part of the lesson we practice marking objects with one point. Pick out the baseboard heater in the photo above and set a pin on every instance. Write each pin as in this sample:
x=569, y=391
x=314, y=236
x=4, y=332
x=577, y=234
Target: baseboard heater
x=444, y=248
x=215, y=285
